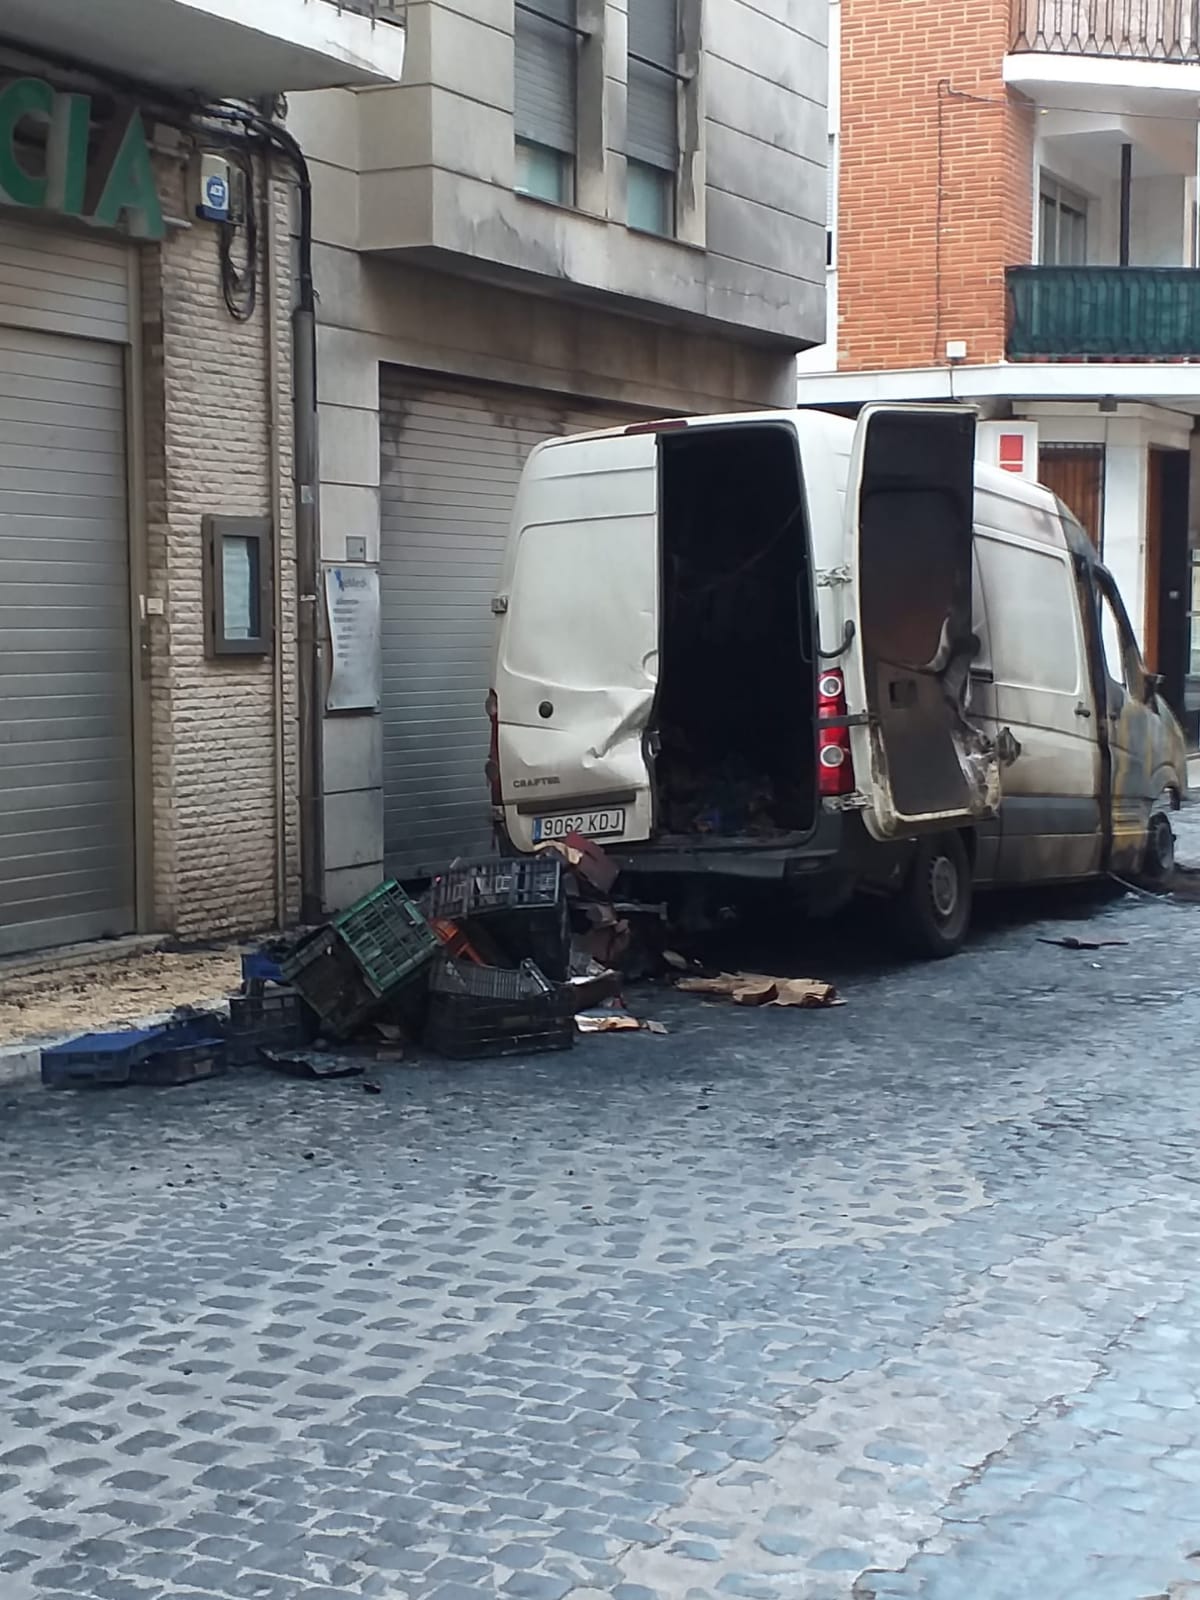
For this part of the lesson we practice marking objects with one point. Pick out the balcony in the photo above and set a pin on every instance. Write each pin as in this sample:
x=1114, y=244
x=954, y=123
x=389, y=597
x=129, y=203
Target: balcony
x=1124, y=30
x=1103, y=313
x=217, y=48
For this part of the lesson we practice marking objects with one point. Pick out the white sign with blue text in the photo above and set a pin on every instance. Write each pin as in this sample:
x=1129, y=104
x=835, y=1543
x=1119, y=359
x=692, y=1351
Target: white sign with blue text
x=352, y=602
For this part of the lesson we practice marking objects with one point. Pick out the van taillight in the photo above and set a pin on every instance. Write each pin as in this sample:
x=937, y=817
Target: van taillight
x=835, y=770
x=492, y=766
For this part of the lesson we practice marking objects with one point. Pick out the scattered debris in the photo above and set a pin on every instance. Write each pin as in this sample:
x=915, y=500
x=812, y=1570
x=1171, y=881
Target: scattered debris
x=607, y=1022
x=313, y=1064
x=615, y=1022
x=1070, y=942
x=757, y=989
x=507, y=956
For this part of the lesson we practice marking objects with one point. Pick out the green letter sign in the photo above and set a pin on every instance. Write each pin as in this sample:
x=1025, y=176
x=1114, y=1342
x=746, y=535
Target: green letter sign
x=124, y=184
x=130, y=189
x=26, y=97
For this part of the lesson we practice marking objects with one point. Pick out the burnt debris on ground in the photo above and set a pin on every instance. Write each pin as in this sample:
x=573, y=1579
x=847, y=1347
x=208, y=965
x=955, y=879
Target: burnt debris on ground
x=500, y=957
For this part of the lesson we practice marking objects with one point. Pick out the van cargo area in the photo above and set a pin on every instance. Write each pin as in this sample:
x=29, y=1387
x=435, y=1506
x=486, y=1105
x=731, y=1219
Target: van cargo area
x=735, y=710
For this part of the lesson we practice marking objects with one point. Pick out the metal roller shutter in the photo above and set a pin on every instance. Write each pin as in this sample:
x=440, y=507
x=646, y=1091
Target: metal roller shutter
x=64, y=283
x=451, y=460
x=545, y=74
x=651, y=116
x=66, y=777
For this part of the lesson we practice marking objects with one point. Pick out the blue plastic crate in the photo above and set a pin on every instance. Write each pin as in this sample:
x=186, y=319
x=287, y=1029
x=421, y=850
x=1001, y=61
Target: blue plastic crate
x=259, y=969
x=96, y=1059
x=181, y=1060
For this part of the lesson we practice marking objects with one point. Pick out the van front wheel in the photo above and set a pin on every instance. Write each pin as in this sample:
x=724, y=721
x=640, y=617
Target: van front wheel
x=933, y=910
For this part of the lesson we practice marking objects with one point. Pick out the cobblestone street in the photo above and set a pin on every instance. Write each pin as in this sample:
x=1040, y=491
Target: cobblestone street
x=893, y=1300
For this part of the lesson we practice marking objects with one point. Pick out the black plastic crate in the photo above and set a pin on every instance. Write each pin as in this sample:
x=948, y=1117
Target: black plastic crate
x=478, y=1012
x=190, y=1062
x=510, y=883
x=346, y=970
x=98, y=1059
x=275, y=1019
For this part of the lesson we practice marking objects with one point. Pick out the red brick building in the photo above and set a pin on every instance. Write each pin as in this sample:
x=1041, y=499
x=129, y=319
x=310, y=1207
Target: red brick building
x=1014, y=224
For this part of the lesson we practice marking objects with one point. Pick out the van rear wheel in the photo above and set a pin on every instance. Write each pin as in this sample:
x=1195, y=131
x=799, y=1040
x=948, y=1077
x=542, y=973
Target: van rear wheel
x=933, y=910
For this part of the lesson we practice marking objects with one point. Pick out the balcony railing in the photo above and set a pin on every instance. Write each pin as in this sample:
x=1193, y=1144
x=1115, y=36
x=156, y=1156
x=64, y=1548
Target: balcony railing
x=377, y=10
x=1130, y=30
x=1130, y=313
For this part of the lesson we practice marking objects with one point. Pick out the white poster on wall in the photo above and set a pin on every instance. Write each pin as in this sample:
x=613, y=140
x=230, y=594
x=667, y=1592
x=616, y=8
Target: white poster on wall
x=352, y=603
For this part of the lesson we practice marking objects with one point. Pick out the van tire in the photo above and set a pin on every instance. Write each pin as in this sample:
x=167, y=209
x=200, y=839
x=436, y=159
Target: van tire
x=933, y=910
x=1158, y=863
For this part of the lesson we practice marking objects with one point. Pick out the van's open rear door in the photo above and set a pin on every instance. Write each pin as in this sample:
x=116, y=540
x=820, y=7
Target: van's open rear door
x=910, y=503
x=576, y=668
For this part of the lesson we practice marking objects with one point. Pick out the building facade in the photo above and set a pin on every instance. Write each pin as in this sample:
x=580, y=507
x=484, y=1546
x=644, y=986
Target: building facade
x=567, y=215
x=1013, y=224
x=148, y=638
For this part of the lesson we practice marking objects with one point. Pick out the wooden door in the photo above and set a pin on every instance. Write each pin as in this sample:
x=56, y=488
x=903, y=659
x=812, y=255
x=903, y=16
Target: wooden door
x=1075, y=472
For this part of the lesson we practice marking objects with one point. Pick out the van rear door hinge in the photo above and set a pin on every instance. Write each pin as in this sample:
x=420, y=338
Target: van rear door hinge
x=833, y=576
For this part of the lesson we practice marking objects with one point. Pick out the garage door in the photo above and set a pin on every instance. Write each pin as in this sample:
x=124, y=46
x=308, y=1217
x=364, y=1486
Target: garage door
x=451, y=460
x=66, y=759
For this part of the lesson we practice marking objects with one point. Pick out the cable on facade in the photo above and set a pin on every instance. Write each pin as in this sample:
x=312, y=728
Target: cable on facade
x=239, y=278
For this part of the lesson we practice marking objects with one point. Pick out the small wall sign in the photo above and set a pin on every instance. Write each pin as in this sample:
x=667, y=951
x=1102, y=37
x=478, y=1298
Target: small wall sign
x=352, y=602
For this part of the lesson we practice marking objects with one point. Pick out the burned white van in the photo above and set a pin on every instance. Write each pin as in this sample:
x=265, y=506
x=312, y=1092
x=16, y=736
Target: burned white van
x=831, y=656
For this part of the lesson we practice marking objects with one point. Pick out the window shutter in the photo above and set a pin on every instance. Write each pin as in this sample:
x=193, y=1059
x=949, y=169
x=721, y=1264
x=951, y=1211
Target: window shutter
x=652, y=129
x=546, y=74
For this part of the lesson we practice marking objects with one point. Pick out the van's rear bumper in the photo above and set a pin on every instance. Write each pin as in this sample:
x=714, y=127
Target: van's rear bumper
x=763, y=861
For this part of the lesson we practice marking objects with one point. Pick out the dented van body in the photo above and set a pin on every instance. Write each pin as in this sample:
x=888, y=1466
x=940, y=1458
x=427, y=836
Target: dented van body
x=835, y=656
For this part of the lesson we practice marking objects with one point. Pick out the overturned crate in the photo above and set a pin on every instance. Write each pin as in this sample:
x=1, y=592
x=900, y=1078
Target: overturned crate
x=361, y=959
x=480, y=1012
x=97, y=1060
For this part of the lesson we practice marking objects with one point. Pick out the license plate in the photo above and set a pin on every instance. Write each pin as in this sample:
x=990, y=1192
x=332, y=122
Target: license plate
x=591, y=824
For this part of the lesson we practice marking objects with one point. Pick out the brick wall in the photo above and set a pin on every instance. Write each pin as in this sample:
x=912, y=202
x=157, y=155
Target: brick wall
x=215, y=756
x=924, y=108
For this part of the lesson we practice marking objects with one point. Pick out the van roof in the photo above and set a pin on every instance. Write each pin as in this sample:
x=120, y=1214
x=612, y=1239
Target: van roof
x=819, y=426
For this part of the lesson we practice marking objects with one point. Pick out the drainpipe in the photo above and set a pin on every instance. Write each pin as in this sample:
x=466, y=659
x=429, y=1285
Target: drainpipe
x=1126, y=190
x=275, y=431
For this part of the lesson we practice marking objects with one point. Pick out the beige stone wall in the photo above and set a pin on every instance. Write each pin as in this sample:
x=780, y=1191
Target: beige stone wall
x=217, y=767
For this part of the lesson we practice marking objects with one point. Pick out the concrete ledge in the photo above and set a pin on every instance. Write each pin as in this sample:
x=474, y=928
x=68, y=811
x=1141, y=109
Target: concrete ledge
x=79, y=955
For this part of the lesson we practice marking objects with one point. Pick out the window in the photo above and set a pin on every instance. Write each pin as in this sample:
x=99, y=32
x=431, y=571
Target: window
x=545, y=98
x=1194, y=618
x=652, y=116
x=1032, y=646
x=237, y=586
x=1064, y=219
x=651, y=198
x=831, y=190
x=1122, y=658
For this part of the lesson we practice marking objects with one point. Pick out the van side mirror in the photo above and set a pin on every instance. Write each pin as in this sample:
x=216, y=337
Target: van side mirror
x=1154, y=684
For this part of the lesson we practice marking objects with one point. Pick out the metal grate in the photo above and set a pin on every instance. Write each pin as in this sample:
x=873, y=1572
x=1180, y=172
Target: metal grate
x=1077, y=312
x=1134, y=30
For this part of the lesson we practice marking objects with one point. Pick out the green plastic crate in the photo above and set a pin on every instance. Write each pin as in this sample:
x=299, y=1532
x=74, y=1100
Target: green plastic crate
x=351, y=967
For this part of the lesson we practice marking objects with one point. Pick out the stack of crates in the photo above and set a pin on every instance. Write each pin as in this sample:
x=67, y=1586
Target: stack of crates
x=519, y=900
x=477, y=1012
x=348, y=971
